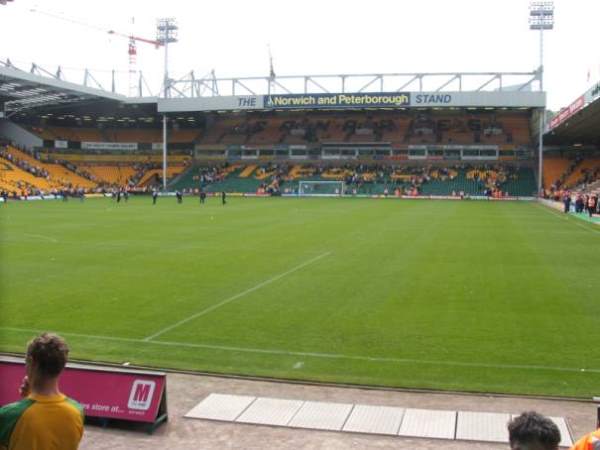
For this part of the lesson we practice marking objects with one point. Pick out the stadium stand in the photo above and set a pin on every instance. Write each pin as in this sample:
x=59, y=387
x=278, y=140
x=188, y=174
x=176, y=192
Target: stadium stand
x=431, y=127
x=25, y=174
x=248, y=171
x=41, y=175
x=363, y=179
x=111, y=158
x=574, y=176
x=555, y=169
x=119, y=175
x=424, y=151
x=153, y=176
x=86, y=134
x=583, y=171
x=16, y=180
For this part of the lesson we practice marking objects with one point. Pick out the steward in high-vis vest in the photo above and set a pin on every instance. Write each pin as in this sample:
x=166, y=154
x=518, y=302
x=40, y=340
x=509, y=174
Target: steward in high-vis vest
x=590, y=441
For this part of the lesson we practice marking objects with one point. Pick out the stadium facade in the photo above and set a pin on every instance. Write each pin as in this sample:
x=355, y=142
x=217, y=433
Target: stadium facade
x=469, y=121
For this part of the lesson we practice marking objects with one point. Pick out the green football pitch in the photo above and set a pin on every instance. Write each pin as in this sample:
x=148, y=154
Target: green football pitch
x=469, y=296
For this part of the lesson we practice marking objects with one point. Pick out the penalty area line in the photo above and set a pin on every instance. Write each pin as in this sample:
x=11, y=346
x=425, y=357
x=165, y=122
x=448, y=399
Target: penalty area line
x=338, y=356
x=30, y=235
x=41, y=236
x=235, y=297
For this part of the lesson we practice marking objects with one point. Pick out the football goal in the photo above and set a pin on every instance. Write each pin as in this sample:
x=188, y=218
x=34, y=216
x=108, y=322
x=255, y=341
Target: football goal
x=321, y=188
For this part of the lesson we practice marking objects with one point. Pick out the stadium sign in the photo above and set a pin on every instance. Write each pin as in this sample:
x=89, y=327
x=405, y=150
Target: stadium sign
x=218, y=103
x=357, y=100
x=109, y=146
x=432, y=99
x=317, y=101
x=567, y=112
x=107, y=393
x=499, y=99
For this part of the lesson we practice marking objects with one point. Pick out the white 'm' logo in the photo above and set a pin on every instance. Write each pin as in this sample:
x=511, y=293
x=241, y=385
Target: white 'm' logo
x=141, y=394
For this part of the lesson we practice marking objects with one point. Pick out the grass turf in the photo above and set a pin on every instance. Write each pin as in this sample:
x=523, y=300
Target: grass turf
x=474, y=296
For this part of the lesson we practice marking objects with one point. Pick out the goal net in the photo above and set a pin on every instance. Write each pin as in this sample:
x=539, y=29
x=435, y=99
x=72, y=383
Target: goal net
x=321, y=188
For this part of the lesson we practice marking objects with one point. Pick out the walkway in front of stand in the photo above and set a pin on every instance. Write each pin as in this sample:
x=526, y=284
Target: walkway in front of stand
x=184, y=392
x=360, y=418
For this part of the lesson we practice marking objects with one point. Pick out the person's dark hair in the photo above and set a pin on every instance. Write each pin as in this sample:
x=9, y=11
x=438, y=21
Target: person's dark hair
x=47, y=354
x=532, y=431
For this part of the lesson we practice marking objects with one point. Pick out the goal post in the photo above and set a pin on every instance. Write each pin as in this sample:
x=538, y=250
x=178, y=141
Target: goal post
x=321, y=188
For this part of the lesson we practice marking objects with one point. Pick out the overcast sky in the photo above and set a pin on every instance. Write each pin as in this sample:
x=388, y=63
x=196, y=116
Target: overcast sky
x=310, y=37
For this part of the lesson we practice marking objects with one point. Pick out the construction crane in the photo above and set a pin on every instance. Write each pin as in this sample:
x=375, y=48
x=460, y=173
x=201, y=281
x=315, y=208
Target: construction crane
x=131, y=48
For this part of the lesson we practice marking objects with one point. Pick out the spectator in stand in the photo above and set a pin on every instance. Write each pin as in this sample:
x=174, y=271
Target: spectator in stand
x=532, y=431
x=44, y=419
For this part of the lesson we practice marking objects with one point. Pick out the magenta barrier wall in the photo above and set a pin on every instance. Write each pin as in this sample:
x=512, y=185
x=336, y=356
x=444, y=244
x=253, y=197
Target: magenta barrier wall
x=103, y=392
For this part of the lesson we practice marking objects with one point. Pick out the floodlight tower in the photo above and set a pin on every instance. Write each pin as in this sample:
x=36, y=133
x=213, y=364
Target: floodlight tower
x=541, y=17
x=166, y=33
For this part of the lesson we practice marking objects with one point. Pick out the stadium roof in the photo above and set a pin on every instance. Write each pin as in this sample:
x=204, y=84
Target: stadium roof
x=578, y=123
x=20, y=90
x=39, y=92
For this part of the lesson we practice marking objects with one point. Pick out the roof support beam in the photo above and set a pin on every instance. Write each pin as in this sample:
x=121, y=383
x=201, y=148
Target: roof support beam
x=377, y=77
x=38, y=70
x=277, y=83
x=457, y=76
x=181, y=94
x=237, y=81
x=143, y=82
x=409, y=82
x=309, y=79
x=88, y=76
x=529, y=83
x=494, y=77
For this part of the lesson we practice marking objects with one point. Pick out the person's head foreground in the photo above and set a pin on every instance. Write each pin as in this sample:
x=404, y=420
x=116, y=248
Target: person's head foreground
x=44, y=418
x=532, y=431
x=46, y=358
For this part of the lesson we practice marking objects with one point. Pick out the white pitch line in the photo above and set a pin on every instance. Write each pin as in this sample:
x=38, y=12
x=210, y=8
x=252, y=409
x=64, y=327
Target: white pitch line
x=317, y=354
x=236, y=296
x=41, y=236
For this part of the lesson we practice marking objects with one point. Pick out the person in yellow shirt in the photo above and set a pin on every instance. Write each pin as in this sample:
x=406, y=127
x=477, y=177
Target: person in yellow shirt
x=590, y=441
x=44, y=419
